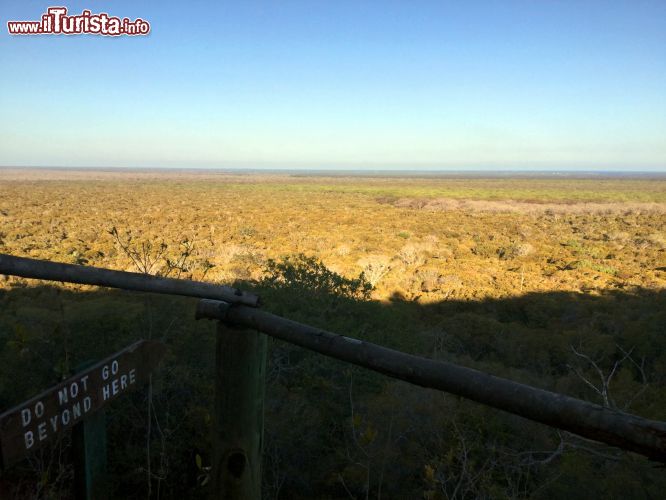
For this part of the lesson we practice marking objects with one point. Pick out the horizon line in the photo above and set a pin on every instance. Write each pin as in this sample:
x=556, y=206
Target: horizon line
x=389, y=171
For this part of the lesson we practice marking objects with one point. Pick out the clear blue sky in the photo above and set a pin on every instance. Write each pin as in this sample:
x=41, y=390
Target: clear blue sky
x=321, y=84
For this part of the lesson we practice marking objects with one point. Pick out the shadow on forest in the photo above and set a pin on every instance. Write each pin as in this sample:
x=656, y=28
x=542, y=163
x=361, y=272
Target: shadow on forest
x=337, y=431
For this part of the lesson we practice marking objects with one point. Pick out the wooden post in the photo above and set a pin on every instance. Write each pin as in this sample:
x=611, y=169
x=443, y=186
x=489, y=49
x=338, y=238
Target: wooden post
x=239, y=413
x=89, y=446
x=89, y=452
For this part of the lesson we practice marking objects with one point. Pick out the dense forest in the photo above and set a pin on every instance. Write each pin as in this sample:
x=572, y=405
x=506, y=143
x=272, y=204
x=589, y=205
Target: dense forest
x=337, y=431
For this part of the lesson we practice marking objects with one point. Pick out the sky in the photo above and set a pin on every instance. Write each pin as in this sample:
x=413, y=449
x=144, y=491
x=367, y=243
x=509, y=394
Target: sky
x=538, y=84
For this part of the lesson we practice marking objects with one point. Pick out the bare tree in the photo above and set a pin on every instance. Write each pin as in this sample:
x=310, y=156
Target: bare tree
x=604, y=377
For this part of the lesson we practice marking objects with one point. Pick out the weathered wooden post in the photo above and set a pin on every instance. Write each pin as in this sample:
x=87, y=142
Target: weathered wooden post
x=89, y=450
x=238, y=423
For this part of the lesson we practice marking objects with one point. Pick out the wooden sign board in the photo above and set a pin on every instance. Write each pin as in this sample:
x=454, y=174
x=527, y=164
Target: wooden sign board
x=30, y=425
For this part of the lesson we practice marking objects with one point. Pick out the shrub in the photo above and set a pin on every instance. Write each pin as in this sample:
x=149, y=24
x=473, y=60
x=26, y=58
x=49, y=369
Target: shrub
x=309, y=274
